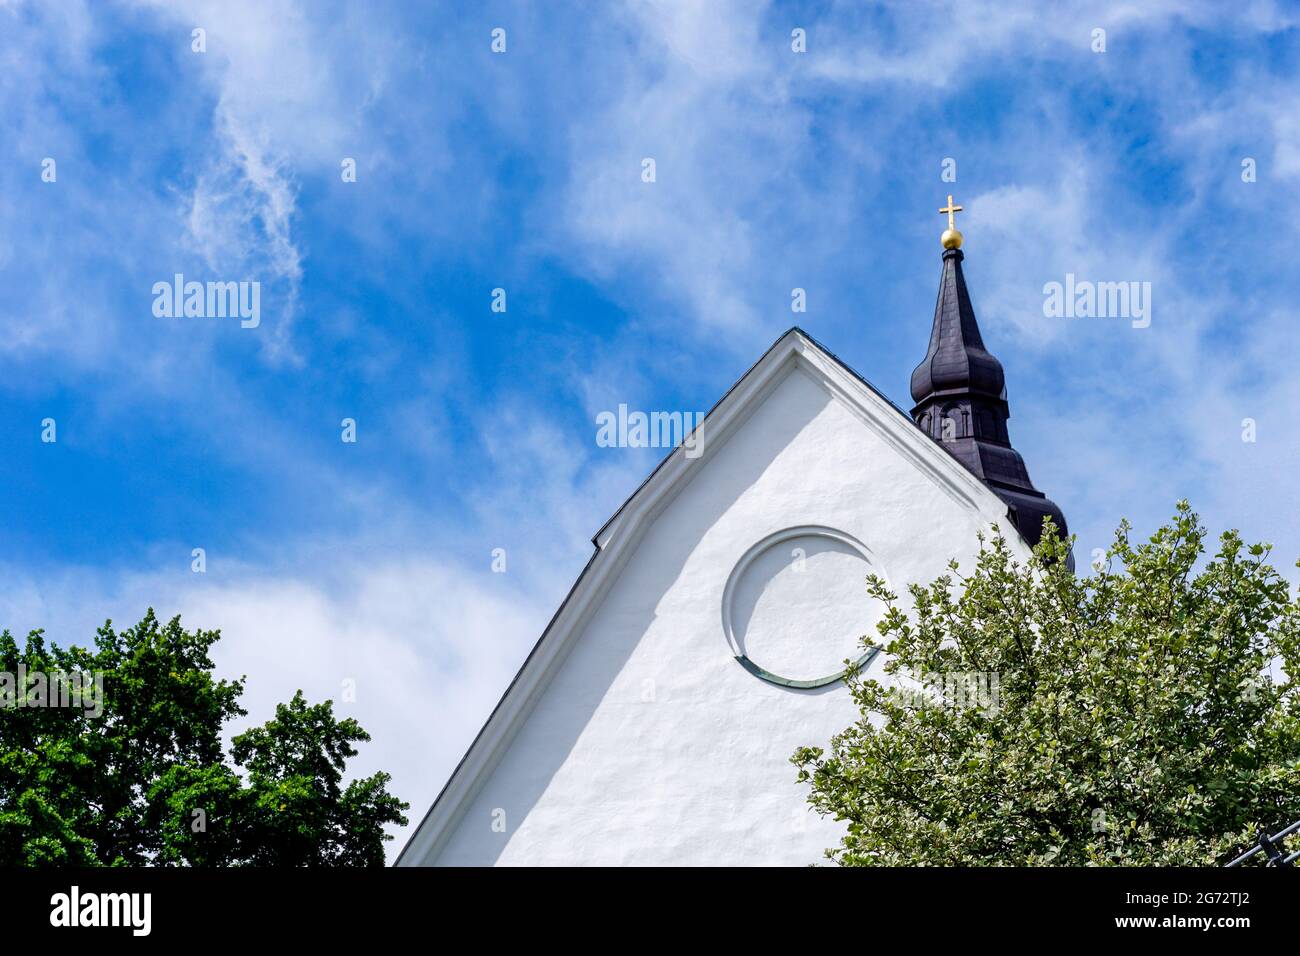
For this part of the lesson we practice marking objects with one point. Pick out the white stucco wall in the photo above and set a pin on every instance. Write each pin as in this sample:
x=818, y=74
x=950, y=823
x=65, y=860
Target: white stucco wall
x=651, y=744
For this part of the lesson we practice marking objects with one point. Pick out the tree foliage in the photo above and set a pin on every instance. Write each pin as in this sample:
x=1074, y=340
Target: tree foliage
x=147, y=781
x=1145, y=714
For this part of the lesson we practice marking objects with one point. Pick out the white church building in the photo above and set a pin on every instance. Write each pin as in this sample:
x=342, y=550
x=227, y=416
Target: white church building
x=654, y=720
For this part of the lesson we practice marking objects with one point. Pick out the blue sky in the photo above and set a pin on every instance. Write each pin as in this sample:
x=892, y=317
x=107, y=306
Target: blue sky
x=476, y=430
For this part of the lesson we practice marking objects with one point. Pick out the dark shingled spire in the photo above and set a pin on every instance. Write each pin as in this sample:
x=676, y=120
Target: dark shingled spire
x=961, y=402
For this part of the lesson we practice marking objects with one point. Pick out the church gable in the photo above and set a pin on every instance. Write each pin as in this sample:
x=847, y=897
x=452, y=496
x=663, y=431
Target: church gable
x=653, y=722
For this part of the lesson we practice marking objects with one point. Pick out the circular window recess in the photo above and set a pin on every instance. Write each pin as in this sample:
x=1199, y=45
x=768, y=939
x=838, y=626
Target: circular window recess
x=796, y=607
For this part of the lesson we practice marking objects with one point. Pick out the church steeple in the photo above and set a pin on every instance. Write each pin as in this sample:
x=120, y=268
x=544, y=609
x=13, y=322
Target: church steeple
x=961, y=398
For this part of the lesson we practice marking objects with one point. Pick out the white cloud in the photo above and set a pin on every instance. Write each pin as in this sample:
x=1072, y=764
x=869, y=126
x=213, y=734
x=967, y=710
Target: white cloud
x=430, y=645
x=699, y=97
x=280, y=102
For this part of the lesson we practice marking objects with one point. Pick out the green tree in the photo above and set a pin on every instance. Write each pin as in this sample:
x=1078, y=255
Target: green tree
x=146, y=782
x=1145, y=714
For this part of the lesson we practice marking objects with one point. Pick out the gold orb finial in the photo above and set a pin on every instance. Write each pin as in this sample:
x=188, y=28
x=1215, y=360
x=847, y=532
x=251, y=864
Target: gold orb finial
x=951, y=238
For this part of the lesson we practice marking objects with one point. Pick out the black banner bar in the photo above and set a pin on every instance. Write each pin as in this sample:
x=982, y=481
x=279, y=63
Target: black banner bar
x=328, y=906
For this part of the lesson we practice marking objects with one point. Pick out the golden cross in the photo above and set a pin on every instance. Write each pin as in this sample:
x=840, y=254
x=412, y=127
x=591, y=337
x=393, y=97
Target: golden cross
x=950, y=209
